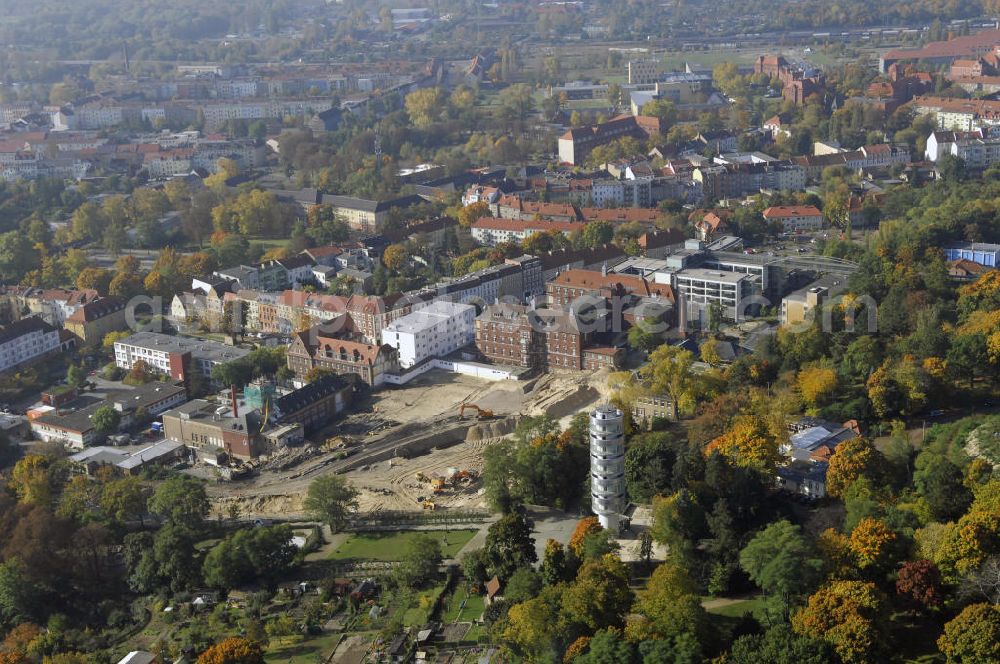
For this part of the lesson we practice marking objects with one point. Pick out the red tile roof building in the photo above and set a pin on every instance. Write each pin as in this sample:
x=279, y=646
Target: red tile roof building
x=577, y=143
x=795, y=217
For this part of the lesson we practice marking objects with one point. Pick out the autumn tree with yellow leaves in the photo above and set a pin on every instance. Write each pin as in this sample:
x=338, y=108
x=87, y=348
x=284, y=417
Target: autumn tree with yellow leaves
x=749, y=443
x=852, y=460
x=850, y=616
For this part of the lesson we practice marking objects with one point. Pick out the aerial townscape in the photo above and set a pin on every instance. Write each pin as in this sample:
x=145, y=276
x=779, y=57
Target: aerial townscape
x=344, y=332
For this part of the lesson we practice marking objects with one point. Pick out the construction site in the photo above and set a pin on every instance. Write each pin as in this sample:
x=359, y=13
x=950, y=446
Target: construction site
x=416, y=448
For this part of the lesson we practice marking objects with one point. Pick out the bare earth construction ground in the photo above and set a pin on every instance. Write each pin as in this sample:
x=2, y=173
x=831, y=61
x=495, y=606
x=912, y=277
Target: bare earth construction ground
x=429, y=404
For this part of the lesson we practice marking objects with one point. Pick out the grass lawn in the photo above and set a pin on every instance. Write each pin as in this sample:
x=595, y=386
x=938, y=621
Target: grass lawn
x=675, y=60
x=295, y=650
x=738, y=608
x=389, y=546
x=455, y=612
x=475, y=632
x=414, y=607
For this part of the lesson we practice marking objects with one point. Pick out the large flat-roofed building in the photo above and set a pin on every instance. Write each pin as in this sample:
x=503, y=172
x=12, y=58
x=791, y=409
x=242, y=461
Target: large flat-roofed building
x=701, y=289
x=977, y=252
x=26, y=340
x=438, y=329
x=211, y=428
x=168, y=354
x=801, y=306
x=75, y=429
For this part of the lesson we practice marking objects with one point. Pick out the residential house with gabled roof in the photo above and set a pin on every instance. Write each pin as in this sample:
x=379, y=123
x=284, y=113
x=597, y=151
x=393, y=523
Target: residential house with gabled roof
x=298, y=268
x=656, y=244
x=323, y=255
x=711, y=224
x=54, y=305
x=91, y=322
x=963, y=269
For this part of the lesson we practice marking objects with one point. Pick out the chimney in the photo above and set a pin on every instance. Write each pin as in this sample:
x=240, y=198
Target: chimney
x=232, y=395
x=682, y=311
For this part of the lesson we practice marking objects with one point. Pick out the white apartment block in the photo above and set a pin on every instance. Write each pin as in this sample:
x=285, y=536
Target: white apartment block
x=434, y=331
x=701, y=289
x=25, y=340
x=166, y=166
x=622, y=193
x=99, y=117
x=216, y=115
x=166, y=354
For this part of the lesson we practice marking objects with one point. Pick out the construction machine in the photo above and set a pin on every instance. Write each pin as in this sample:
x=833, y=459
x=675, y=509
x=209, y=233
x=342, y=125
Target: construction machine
x=481, y=413
x=428, y=505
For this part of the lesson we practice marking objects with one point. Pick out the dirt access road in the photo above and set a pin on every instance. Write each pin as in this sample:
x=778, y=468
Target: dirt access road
x=394, y=416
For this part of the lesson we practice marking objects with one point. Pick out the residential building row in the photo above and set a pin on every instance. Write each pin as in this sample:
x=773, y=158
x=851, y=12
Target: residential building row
x=865, y=158
x=978, y=149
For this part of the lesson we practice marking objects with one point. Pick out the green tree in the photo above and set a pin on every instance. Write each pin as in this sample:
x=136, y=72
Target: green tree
x=17, y=256
x=522, y=585
x=951, y=168
x=670, y=606
x=649, y=465
x=641, y=336
x=181, y=500
x=419, y=561
x=106, y=419
x=600, y=596
x=779, y=645
x=941, y=483
x=509, y=546
x=124, y=499
x=597, y=234
x=173, y=556
x=780, y=560
x=16, y=594
x=332, y=500
x=608, y=647
x=669, y=372
x=554, y=567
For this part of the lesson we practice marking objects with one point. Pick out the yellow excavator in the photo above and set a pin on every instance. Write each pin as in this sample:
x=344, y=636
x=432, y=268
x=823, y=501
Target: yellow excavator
x=481, y=413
